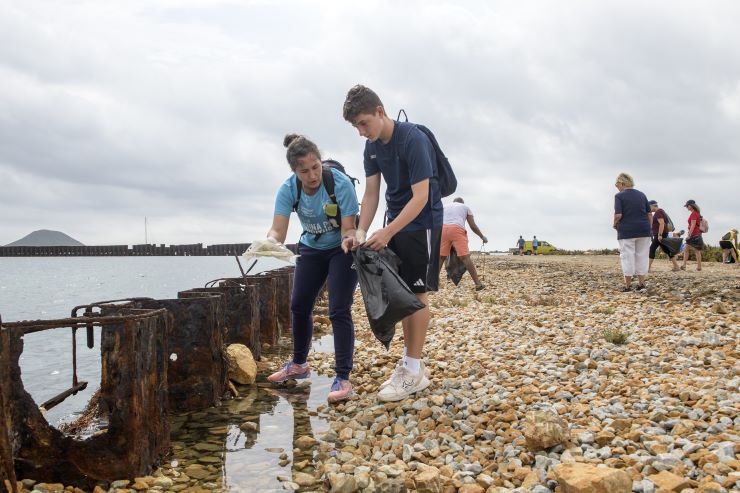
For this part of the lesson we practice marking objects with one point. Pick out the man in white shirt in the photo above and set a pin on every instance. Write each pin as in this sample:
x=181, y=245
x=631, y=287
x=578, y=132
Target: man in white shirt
x=455, y=236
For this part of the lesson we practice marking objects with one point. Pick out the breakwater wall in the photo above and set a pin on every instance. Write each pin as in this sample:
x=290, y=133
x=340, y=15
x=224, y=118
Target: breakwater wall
x=194, y=250
x=157, y=355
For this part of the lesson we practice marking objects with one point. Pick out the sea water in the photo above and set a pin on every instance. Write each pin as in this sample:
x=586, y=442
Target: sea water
x=44, y=288
x=245, y=460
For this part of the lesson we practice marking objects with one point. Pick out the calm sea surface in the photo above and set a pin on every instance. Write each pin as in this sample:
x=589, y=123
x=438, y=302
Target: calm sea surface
x=49, y=287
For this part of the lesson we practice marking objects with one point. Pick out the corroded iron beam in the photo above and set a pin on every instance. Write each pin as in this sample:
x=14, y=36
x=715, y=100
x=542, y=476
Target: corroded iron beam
x=7, y=466
x=241, y=313
x=133, y=401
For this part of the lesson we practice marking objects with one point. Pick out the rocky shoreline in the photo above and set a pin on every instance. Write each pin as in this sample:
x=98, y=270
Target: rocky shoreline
x=527, y=394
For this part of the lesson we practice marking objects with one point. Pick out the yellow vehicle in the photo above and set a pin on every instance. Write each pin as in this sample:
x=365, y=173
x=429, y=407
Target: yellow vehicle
x=543, y=248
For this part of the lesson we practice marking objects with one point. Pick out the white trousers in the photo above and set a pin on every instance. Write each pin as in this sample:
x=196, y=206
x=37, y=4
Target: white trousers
x=634, y=254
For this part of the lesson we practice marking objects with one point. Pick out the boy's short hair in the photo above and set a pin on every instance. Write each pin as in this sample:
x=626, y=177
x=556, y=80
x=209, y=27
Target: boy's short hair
x=359, y=100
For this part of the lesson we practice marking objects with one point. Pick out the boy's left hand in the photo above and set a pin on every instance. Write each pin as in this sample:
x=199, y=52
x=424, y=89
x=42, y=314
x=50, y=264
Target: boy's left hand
x=378, y=240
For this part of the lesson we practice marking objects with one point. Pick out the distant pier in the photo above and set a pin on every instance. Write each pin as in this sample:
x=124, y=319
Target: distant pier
x=190, y=250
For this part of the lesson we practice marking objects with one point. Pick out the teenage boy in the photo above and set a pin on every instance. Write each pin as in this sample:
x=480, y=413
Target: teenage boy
x=405, y=158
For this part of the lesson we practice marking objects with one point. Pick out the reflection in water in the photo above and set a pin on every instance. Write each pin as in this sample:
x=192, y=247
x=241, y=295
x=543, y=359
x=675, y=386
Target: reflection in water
x=247, y=444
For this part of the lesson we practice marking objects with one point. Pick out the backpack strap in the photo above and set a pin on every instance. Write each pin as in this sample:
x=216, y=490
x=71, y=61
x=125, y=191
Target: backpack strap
x=328, y=179
x=299, y=187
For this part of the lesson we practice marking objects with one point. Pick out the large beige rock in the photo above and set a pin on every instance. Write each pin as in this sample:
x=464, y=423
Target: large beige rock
x=669, y=481
x=470, y=488
x=242, y=368
x=586, y=478
x=342, y=483
x=305, y=442
x=303, y=479
x=428, y=481
x=710, y=487
x=544, y=429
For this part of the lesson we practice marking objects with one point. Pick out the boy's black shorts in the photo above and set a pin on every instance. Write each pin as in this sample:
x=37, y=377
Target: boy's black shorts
x=419, y=254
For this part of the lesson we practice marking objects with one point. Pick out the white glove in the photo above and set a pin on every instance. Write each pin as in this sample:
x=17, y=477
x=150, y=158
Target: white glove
x=360, y=235
x=268, y=247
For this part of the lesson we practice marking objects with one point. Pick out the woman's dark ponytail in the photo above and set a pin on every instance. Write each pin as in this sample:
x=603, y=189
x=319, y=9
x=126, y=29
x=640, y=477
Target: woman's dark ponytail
x=299, y=146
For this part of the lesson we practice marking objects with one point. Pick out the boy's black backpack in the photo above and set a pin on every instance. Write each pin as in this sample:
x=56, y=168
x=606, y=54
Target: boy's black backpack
x=445, y=175
x=669, y=227
x=335, y=218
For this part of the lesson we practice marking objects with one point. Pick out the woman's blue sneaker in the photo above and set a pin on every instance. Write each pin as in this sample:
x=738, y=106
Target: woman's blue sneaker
x=290, y=371
x=340, y=390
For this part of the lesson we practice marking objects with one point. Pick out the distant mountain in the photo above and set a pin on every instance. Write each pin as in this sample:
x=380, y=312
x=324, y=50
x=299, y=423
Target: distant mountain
x=45, y=237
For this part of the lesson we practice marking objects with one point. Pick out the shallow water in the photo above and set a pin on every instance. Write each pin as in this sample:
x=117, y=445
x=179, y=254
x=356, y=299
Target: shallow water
x=237, y=459
x=210, y=442
x=49, y=287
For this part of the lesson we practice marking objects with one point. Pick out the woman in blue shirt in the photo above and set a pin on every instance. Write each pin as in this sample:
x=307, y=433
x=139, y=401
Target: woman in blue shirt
x=632, y=222
x=321, y=258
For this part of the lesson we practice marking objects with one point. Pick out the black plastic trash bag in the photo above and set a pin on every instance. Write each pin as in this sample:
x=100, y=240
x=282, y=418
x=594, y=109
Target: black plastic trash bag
x=387, y=298
x=455, y=267
x=672, y=244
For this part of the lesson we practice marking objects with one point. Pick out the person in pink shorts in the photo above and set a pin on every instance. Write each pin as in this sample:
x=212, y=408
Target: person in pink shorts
x=454, y=235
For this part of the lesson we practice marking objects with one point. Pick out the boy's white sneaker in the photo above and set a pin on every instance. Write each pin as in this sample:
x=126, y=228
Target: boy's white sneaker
x=403, y=383
x=399, y=364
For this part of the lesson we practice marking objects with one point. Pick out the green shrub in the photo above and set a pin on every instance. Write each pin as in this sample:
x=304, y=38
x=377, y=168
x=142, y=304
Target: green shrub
x=615, y=336
x=607, y=310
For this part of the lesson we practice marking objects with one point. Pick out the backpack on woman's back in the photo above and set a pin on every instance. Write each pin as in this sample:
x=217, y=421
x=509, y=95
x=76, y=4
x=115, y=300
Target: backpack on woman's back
x=703, y=225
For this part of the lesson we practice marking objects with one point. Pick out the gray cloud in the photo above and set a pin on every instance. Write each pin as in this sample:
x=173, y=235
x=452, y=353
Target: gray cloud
x=176, y=110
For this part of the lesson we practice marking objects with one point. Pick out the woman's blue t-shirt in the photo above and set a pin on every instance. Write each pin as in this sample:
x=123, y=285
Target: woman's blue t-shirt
x=311, y=209
x=634, y=207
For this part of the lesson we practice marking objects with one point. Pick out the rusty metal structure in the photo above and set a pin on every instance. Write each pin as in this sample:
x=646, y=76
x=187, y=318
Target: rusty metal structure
x=157, y=356
x=133, y=344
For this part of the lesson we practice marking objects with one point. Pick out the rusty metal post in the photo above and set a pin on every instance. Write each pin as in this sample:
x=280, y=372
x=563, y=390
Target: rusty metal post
x=241, y=313
x=283, y=297
x=266, y=286
x=197, y=365
x=7, y=465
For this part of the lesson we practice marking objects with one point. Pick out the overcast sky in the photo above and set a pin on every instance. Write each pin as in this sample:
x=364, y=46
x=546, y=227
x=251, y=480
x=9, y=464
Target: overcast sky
x=176, y=110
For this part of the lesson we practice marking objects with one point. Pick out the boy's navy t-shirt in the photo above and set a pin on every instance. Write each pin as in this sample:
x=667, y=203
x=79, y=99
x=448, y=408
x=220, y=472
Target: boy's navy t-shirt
x=406, y=159
x=634, y=207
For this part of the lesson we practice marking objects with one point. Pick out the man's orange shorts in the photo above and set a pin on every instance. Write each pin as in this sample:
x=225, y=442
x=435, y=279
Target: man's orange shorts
x=454, y=236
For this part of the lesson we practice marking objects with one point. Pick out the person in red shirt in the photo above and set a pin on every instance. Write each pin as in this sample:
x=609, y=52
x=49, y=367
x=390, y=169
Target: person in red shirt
x=694, y=240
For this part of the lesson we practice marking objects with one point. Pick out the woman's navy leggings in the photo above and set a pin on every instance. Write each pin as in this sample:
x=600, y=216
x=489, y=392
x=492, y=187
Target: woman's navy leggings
x=313, y=268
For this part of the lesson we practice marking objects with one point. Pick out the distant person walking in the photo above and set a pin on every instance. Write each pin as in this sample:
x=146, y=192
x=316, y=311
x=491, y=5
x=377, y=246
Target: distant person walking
x=535, y=244
x=632, y=222
x=520, y=245
x=694, y=240
x=659, y=230
x=728, y=244
x=455, y=236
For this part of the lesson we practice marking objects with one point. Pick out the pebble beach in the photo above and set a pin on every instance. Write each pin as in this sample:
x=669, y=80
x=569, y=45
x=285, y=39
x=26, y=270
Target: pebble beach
x=549, y=380
x=527, y=395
